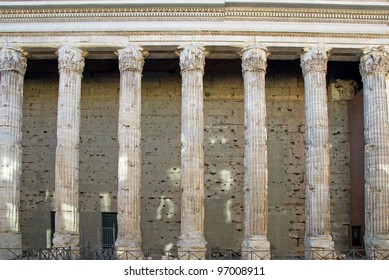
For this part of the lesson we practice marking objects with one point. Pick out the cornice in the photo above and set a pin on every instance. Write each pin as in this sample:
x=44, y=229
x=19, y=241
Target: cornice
x=141, y=14
x=334, y=35
x=195, y=14
x=38, y=4
x=308, y=15
x=94, y=12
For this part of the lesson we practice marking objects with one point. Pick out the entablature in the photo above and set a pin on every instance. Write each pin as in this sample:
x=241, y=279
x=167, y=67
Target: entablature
x=224, y=27
x=164, y=47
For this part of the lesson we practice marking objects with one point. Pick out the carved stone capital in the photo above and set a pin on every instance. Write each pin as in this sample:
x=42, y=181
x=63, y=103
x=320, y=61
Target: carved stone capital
x=254, y=58
x=343, y=90
x=132, y=58
x=314, y=60
x=71, y=59
x=13, y=59
x=192, y=58
x=374, y=60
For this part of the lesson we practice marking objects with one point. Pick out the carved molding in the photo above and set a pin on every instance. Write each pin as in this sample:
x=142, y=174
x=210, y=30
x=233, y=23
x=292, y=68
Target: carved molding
x=13, y=59
x=71, y=59
x=197, y=33
x=132, y=58
x=307, y=15
x=140, y=14
x=196, y=14
x=342, y=90
x=346, y=88
x=314, y=60
x=254, y=58
x=374, y=60
x=192, y=58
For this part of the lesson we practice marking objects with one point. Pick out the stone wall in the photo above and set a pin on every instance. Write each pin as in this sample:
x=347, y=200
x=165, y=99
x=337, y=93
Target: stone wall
x=161, y=125
x=285, y=108
x=38, y=167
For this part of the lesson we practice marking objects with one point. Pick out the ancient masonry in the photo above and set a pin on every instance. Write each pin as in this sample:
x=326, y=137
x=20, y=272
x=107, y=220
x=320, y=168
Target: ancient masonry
x=255, y=153
x=192, y=60
x=70, y=65
x=12, y=68
x=131, y=60
x=225, y=127
x=374, y=68
x=317, y=154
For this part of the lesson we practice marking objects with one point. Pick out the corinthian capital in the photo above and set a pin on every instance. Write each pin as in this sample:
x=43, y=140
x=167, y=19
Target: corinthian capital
x=374, y=60
x=13, y=59
x=254, y=58
x=71, y=59
x=192, y=58
x=132, y=58
x=314, y=60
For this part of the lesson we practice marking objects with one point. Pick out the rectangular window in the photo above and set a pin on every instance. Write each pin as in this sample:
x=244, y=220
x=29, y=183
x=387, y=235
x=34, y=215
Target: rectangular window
x=356, y=236
x=110, y=225
x=52, y=227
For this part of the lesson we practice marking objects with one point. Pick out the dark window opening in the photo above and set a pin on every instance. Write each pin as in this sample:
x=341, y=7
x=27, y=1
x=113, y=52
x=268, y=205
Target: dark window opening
x=52, y=227
x=356, y=236
x=110, y=225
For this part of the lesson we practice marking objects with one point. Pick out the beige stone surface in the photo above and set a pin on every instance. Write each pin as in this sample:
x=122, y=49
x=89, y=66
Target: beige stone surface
x=70, y=65
x=79, y=171
x=254, y=63
x=131, y=60
x=317, y=156
x=192, y=61
x=342, y=90
x=374, y=67
x=12, y=69
x=160, y=141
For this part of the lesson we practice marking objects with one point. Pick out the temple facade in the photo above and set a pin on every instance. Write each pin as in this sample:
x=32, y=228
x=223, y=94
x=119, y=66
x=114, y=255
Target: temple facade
x=188, y=129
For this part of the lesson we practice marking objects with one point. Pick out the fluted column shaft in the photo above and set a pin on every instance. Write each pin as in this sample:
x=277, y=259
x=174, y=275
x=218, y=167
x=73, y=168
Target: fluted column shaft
x=254, y=63
x=317, y=158
x=374, y=67
x=12, y=68
x=131, y=60
x=70, y=65
x=192, y=61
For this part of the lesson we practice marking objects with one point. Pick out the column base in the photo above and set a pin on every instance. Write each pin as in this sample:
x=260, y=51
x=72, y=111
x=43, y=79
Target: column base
x=256, y=248
x=192, y=247
x=10, y=245
x=128, y=249
x=64, y=241
x=377, y=247
x=319, y=248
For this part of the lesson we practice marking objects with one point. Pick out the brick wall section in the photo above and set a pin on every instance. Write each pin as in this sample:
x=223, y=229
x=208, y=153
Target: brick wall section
x=161, y=146
x=285, y=110
x=39, y=142
x=161, y=125
x=224, y=170
x=340, y=171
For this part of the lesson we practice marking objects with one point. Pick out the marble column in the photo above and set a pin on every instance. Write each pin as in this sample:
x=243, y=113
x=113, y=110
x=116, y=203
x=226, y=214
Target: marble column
x=374, y=67
x=192, y=61
x=317, y=159
x=255, y=244
x=13, y=65
x=70, y=65
x=131, y=60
